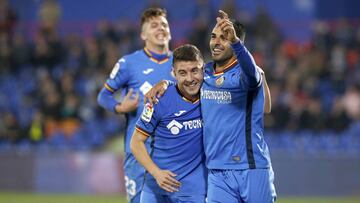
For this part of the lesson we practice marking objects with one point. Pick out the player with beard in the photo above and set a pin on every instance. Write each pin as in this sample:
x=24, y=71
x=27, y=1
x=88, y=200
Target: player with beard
x=233, y=104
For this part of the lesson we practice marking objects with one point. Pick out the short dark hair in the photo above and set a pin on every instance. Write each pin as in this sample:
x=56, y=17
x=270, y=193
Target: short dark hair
x=239, y=29
x=187, y=52
x=152, y=12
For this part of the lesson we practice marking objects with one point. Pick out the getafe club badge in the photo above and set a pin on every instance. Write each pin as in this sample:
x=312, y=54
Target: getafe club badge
x=219, y=81
x=147, y=112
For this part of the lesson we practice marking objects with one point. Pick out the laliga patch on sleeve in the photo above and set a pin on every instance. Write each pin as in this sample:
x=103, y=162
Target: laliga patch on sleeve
x=115, y=70
x=147, y=112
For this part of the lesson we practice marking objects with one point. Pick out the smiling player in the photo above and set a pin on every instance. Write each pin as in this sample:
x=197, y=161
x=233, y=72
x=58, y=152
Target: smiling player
x=137, y=73
x=176, y=165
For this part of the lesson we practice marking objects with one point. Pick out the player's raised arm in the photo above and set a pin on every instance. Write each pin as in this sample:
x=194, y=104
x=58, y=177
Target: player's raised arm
x=164, y=178
x=243, y=56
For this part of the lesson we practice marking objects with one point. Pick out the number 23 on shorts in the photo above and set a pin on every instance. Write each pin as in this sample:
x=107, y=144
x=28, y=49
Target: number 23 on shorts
x=130, y=186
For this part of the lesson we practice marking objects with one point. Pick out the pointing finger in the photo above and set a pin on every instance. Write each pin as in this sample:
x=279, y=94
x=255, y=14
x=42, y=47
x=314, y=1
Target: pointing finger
x=223, y=15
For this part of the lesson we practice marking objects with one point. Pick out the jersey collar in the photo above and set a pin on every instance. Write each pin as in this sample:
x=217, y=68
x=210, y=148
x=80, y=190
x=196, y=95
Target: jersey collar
x=185, y=98
x=227, y=67
x=153, y=58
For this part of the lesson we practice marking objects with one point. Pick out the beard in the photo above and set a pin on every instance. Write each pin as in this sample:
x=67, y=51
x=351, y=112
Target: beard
x=221, y=60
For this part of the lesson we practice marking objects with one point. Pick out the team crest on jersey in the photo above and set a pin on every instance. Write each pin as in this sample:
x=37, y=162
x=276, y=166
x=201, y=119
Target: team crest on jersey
x=147, y=112
x=220, y=80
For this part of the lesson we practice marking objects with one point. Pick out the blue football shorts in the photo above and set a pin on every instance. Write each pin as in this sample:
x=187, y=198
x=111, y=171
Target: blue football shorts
x=241, y=186
x=149, y=197
x=134, y=178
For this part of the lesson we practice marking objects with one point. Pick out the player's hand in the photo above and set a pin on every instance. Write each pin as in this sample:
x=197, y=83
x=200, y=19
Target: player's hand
x=166, y=180
x=226, y=26
x=156, y=92
x=128, y=104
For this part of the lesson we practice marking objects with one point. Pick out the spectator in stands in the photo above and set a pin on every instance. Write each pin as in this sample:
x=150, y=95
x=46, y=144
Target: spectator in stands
x=49, y=16
x=8, y=18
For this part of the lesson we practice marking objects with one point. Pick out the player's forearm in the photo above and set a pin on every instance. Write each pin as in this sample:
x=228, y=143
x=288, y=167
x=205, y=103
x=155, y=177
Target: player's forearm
x=139, y=151
x=247, y=63
x=106, y=100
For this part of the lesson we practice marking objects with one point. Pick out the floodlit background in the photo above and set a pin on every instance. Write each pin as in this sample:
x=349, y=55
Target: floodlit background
x=55, y=56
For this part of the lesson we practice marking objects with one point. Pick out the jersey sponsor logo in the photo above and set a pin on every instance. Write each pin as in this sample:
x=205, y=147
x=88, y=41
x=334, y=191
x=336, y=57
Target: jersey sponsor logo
x=148, y=71
x=219, y=81
x=179, y=113
x=221, y=97
x=147, y=112
x=193, y=124
x=175, y=127
x=145, y=87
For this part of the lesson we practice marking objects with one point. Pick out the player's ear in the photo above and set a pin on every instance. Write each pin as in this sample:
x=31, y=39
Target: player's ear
x=173, y=72
x=169, y=36
x=142, y=32
x=142, y=35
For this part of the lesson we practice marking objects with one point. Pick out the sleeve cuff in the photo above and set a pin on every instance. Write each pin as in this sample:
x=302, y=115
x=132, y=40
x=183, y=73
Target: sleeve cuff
x=109, y=88
x=237, y=45
x=141, y=131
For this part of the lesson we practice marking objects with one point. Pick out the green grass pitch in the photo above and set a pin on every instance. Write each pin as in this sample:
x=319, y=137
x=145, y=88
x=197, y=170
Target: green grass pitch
x=58, y=198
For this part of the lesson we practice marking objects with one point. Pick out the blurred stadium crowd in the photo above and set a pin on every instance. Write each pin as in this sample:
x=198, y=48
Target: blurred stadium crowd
x=49, y=83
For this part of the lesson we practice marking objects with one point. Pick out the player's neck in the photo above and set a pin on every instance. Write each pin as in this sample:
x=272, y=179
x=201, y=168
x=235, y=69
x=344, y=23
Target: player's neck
x=192, y=98
x=188, y=97
x=220, y=66
x=160, y=50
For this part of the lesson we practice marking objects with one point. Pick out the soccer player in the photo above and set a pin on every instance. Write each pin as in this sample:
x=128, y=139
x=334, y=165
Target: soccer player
x=232, y=106
x=232, y=96
x=136, y=73
x=175, y=127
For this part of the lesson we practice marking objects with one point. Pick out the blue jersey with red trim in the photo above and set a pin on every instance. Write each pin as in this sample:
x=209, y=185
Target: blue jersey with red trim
x=233, y=112
x=175, y=127
x=139, y=71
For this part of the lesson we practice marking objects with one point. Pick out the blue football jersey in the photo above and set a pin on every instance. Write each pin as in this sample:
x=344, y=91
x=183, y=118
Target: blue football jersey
x=175, y=127
x=139, y=71
x=233, y=113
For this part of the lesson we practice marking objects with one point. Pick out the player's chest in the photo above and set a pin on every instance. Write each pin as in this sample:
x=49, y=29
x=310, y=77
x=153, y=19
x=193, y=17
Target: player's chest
x=222, y=89
x=182, y=121
x=145, y=76
x=150, y=71
x=228, y=80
